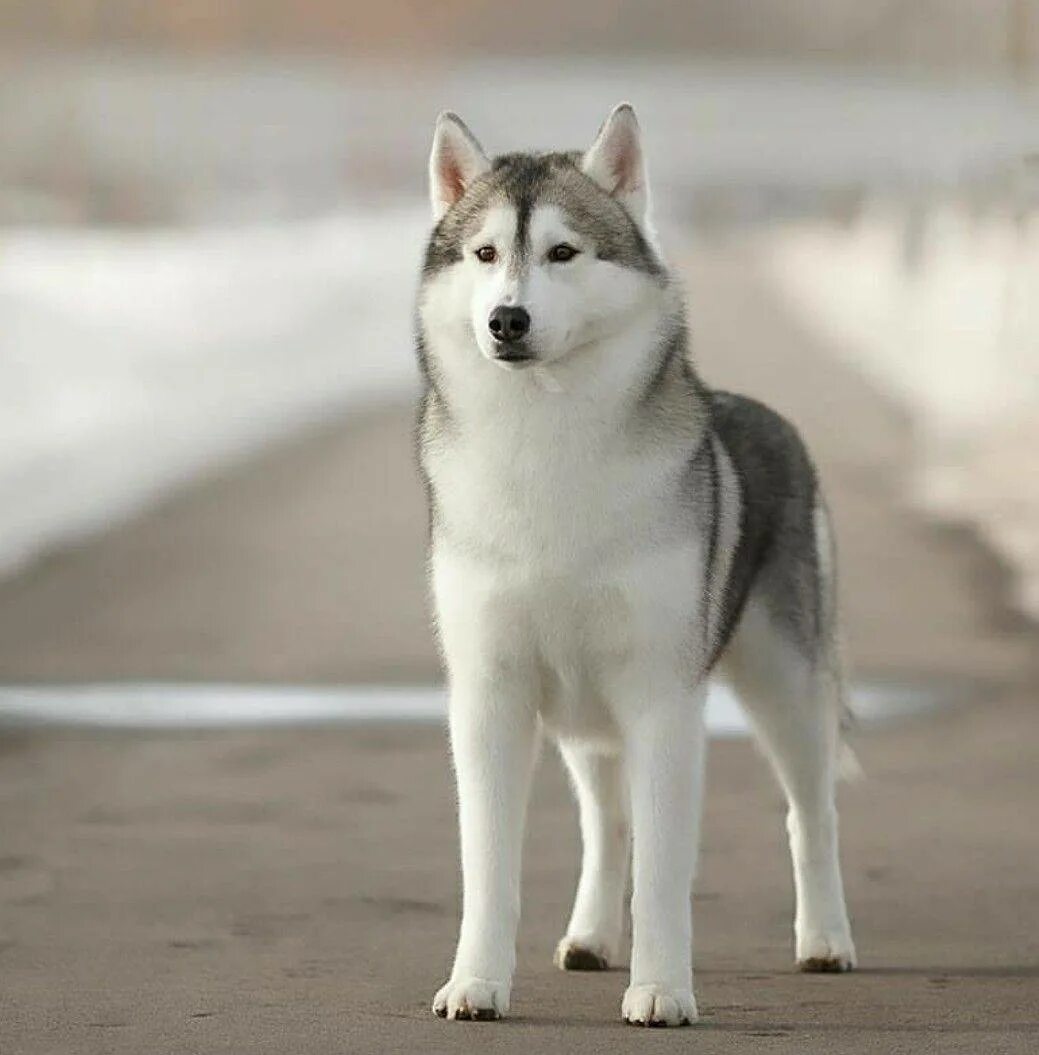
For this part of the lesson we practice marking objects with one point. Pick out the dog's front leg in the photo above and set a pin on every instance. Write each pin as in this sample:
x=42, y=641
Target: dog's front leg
x=664, y=753
x=493, y=740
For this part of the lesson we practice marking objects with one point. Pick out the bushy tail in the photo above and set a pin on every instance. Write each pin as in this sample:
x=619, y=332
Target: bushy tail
x=849, y=768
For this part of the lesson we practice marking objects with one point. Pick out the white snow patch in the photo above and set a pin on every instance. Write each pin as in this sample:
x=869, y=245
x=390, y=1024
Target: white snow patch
x=165, y=706
x=940, y=308
x=132, y=361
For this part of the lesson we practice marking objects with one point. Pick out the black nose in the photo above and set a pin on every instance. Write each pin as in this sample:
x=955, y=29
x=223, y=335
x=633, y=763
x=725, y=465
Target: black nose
x=508, y=324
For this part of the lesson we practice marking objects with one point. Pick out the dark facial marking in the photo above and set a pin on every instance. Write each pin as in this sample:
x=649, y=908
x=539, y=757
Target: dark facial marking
x=528, y=180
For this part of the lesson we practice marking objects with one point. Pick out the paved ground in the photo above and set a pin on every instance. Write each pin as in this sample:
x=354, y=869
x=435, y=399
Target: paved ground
x=296, y=891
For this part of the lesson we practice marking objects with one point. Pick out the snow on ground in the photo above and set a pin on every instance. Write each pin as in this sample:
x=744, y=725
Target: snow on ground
x=941, y=308
x=164, y=705
x=131, y=361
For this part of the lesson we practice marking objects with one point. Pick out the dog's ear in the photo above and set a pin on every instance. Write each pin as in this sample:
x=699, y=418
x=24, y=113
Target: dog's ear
x=454, y=162
x=616, y=162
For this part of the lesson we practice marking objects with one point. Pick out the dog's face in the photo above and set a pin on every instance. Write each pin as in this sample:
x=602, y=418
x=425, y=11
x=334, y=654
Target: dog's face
x=537, y=255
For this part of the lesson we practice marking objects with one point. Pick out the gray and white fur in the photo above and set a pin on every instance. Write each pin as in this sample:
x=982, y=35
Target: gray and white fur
x=607, y=533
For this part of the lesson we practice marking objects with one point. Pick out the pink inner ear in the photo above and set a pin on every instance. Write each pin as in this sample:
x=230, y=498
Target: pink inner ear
x=451, y=174
x=625, y=163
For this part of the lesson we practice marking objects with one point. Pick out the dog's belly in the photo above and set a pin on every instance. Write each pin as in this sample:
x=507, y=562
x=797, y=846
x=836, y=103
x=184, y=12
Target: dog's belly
x=580, y=640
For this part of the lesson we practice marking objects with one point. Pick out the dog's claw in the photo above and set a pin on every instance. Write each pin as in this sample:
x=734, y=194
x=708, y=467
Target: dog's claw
x=583, y=960
x=480, y=1014
x=826, y=952
x=573, y=955
x=656, y=1006
x=472, y=1000
x=824, y=965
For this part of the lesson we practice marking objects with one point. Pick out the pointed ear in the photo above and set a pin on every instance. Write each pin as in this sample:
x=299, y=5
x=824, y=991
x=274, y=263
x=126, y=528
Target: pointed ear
x=615, y=161
x=455, y=161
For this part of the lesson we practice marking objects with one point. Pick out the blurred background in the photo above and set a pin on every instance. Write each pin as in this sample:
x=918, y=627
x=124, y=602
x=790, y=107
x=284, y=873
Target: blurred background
x=211, y=219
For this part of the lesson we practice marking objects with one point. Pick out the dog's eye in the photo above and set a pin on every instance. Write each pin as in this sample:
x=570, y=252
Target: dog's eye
x=560, y=254
x=486, y=254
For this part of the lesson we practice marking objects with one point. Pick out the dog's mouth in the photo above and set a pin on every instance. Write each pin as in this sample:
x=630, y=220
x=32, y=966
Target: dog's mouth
x=514, y=358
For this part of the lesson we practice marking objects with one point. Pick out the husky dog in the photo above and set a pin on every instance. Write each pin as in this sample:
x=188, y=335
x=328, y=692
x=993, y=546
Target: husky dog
x=606, y=533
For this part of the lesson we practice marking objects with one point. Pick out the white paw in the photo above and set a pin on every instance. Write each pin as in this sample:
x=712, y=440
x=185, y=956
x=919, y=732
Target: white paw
x=582, y=954
x=472, y=999
x=658, y=1005
x=826, y=952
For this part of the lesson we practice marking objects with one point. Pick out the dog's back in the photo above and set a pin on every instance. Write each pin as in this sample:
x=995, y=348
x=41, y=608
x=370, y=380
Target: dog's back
x=777, y=555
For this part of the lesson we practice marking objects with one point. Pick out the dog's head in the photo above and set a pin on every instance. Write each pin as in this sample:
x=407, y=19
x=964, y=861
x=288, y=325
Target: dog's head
x=536, y=255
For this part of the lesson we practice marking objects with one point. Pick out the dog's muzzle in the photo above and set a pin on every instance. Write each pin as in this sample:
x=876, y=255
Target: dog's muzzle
x=509, y=326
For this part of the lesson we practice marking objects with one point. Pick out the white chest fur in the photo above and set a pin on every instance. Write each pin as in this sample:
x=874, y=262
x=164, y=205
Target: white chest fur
x=561, y=552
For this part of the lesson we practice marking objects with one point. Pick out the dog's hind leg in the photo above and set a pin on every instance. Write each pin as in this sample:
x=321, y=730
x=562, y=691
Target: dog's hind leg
x=793, y=701
x=593, y=935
